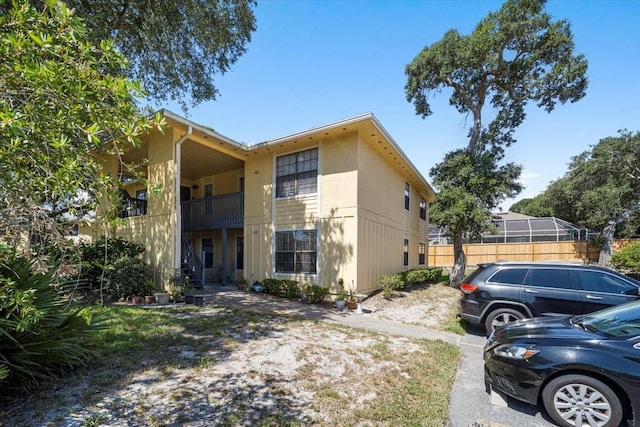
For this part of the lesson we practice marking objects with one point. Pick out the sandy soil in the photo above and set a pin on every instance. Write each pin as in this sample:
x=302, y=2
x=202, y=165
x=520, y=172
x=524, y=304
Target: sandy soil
x=256, y=373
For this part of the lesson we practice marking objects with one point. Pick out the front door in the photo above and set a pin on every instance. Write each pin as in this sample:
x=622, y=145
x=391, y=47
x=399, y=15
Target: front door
x=207, y=260
x=185, y=193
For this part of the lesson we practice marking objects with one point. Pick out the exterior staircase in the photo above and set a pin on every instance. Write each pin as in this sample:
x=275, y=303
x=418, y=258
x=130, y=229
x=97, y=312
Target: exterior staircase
x=191, y=266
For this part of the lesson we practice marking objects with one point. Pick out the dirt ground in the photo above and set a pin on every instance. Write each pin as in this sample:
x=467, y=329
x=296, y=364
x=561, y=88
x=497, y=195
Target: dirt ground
x=274, y=371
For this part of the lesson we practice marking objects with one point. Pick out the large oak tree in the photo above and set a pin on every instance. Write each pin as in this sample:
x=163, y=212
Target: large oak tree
x=175, y=48
x=515, y=56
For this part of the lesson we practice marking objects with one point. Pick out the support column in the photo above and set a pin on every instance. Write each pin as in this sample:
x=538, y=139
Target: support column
x=224, y=256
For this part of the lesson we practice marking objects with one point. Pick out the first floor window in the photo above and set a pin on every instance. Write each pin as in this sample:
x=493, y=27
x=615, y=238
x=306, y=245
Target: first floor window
x=406, y=252
x=421, y=253
x=296, y=251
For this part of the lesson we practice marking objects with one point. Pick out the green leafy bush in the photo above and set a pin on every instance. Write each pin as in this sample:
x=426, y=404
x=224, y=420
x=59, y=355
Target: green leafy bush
x=315, y=293
x=42, y=332
x=423, y=275
x=97, y=256
x=282, y=287
x=290, y=289
x=271, y=286
x=127, y=277
x=627, y=259
x=101, y=263
x=389, y=283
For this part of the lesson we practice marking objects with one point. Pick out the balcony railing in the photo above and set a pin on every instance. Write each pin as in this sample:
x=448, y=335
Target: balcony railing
x=223, y=211
x=133, y=207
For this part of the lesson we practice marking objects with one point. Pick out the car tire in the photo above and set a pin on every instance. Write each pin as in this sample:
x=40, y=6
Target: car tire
x=500, y=316
x=578, y=399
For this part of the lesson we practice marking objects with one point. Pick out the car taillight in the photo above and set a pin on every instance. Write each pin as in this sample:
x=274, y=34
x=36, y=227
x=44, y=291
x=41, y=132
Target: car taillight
x=468, y=288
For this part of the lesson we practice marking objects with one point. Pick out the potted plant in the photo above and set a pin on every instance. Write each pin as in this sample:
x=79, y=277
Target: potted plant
x=340, y=300
x=240, y=284
x=149, y=290
x=352, y=302
x=341, y=297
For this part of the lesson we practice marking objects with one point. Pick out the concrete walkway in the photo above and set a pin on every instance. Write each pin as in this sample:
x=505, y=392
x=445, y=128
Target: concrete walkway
x=470, y=404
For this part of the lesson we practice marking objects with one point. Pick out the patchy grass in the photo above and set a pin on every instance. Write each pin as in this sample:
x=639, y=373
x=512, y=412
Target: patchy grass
x=215, y=366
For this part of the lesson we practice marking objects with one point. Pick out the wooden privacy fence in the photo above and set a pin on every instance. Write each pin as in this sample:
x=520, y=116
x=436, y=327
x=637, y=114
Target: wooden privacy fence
x=477, y=253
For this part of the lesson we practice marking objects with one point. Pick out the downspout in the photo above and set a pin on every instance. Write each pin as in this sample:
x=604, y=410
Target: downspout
x=178, y=227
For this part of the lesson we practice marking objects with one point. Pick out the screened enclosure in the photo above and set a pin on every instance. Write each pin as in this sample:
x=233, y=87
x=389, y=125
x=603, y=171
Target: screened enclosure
x=510, y=227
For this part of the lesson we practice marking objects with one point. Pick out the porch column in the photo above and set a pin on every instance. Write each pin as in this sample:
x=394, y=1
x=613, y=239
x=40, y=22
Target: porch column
x=224, y=256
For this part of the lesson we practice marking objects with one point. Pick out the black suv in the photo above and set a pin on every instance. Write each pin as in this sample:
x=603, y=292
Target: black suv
x=502, y=292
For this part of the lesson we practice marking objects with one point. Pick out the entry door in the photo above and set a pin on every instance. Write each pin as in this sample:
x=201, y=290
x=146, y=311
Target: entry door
x=207, y=259
x=185, y=193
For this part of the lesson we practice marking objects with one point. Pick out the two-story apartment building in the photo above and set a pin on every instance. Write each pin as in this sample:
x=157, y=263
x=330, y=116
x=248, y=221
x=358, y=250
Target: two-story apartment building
x=336, y=201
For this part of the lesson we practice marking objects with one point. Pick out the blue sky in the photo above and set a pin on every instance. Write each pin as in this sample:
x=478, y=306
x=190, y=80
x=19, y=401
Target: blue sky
x=316, y=62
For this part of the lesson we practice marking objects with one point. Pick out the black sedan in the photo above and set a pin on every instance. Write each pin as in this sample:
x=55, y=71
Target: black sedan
x=584, y=369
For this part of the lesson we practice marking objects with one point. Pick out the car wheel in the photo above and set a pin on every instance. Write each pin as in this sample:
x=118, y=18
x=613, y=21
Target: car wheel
x=501, y=316
x=577, y=400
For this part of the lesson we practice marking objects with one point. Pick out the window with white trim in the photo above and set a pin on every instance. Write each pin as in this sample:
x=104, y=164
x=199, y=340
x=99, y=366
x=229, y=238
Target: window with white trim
x=422, y=250
x=296, y=251
x=297, y=173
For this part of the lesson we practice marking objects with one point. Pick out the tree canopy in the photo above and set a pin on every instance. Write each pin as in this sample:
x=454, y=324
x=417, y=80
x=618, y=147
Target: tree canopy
x=515, y=56
x=59, y=108
x=175, y=48
x=600, y=190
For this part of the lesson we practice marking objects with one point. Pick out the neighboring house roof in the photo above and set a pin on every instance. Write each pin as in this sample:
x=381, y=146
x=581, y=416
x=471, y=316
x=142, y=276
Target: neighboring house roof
x=514, y=225
x=367, y=124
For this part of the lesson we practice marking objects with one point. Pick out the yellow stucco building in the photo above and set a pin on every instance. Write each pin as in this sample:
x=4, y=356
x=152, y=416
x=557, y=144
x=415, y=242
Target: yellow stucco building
x=336, y=201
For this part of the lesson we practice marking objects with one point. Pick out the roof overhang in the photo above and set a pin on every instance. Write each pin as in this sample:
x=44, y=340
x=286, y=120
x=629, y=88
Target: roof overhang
x=367, y=125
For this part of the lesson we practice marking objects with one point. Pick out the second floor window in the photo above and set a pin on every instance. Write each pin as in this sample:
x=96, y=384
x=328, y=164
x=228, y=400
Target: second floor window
x=406, y=196
x=423, y=209
x=297, y=173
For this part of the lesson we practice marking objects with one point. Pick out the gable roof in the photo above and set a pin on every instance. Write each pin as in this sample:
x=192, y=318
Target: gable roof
x=366, y=124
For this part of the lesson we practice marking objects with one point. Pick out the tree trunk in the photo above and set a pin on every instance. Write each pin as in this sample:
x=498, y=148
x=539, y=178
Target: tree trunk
x=604, y=260
x=460, y=262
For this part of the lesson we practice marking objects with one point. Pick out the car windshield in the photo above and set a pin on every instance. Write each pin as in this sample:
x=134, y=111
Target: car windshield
x=619, y=321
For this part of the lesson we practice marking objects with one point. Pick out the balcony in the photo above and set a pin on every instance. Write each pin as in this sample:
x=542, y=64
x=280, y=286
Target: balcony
x=222, y=211
x=132, y=207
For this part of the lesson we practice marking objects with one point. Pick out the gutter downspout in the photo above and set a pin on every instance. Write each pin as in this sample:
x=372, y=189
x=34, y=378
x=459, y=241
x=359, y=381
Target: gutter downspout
x=177, y=248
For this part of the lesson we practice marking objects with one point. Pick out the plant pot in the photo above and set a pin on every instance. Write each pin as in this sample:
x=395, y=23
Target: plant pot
x=136, y=300
x=340, y=304
x=188, y=299
x=198, y=300
x=352, y=305
x=162, y=298
x=149, y=299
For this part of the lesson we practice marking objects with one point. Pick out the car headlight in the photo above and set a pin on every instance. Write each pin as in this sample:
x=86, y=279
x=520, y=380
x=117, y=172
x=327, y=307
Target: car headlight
x=515, y=351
